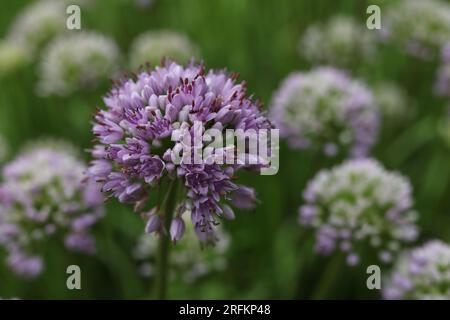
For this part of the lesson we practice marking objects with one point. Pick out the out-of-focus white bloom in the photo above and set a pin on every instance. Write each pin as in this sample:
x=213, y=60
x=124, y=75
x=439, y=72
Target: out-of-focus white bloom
x=12, y=56
x=38, y=23
x=391, y=99
x=153, y=46
x=44, y=193
x=79, y=60
x=421, y=27
x=341, y=41
x=422, y=273
x=358, y=205
x=190, y=259
x=326, y=109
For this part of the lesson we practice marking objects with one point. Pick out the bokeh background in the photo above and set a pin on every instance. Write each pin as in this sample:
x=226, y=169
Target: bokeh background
x=270, y=256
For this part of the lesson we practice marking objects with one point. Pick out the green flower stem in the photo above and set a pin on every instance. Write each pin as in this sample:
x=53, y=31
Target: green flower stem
x=166, y=212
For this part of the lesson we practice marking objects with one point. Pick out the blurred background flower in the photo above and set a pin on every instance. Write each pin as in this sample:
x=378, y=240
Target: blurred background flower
x=79, y=60
x=341, y=41
x=326, y=110
x=358, y=205
x=419, y=27
x=152, y=46
x=39, y=22
x=43, y=193
x=422, y=273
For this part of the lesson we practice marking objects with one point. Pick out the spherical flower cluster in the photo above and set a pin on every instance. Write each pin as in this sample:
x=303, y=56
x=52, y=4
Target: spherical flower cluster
x=79, y=60
x=338, y=42
x=190, y=259
x=391, y=99
x=142, y=129
x=12, y=56
x=421, y=274
x=356, y=205
x=44, y=194
x=38, y=23
x=442, y=85
x=152, y=46
x=326, y=109
x=419, y=27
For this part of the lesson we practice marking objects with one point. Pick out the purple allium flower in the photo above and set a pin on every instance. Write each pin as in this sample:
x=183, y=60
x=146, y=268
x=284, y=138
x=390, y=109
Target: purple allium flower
x=44, y=193
x=143, y=126
x=357, y=205
x=325, y=109
x=421, y=274
x=420, y=27
x=341, y=42
x=190, y=259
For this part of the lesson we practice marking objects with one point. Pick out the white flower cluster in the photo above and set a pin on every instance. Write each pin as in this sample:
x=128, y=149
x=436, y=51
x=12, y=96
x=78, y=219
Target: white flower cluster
x=152, y=46
x=338, y=42
x=190, y=259
x=80, y=60
x=326, y=109
x=38, y=23
x=421, y=274
x=359, y=204
x=44, y=193
x=421, y=27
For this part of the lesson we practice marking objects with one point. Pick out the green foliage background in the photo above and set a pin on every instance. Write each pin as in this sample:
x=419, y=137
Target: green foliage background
x=271, y=256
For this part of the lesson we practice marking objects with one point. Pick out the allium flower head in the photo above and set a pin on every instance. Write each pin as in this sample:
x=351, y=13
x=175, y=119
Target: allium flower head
x=78, y=60
x=421, y=274
x=340, y=41
x=325, y=109
x=152, y=46
x=391, y=99
x=190, y=259
x=357, y=205
x=38, y=23
x=420, y=27
x=44, y=194
x=143, y=126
